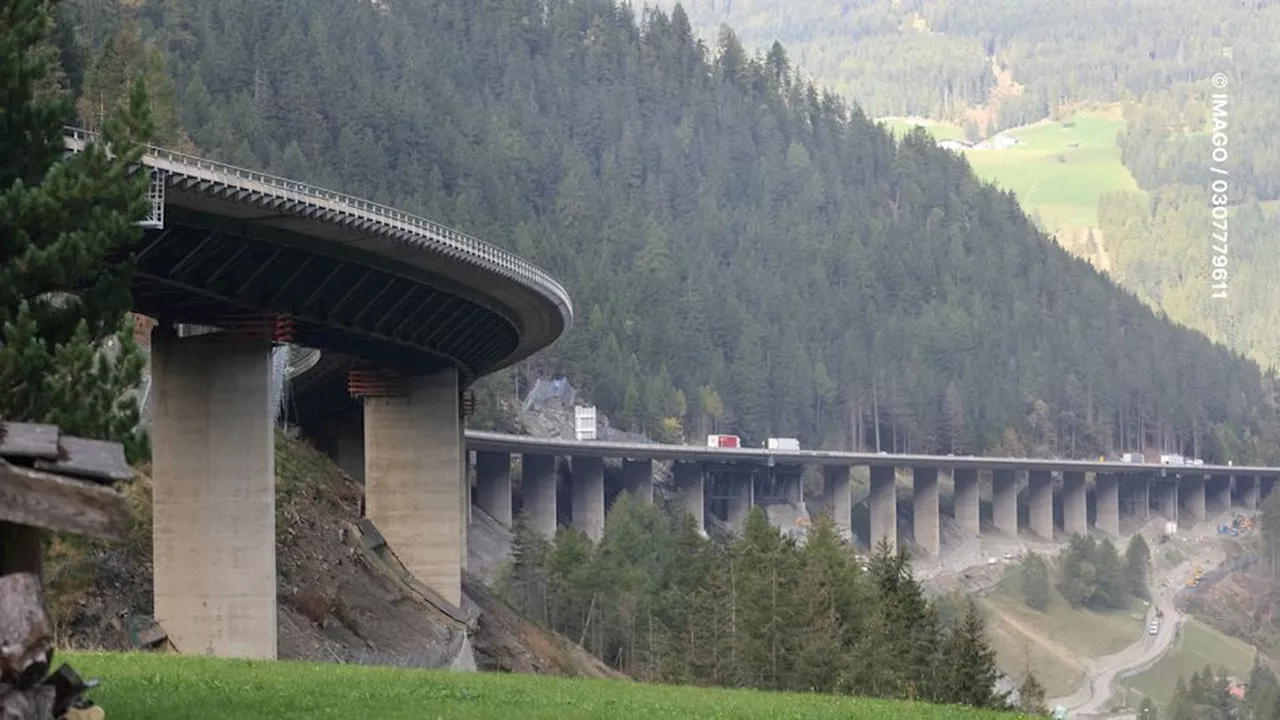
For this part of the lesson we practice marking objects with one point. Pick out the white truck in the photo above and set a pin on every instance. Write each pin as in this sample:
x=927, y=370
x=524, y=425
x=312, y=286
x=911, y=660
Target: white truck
x=782, y=444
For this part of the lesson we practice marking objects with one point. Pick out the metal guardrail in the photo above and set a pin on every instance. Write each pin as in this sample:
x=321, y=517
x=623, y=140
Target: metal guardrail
x=478, y=251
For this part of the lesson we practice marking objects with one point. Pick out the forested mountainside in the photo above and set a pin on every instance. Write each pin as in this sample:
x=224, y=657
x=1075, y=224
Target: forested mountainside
x=988, y=65
x=745, y=251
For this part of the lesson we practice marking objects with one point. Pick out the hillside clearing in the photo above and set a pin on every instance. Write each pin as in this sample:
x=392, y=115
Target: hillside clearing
x=141, y=687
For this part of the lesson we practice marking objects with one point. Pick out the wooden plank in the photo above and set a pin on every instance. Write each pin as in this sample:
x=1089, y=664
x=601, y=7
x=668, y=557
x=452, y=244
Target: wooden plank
x=94, y=459
x=39, y=499
x=27, y=440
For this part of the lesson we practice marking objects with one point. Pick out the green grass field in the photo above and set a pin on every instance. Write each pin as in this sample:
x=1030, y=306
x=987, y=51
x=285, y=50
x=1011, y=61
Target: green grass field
x=1197, y=645
x=142, y=687
x=1059, y=182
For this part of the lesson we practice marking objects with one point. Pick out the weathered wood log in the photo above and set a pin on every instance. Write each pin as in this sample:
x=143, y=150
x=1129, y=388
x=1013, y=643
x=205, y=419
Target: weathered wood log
x=43, y=500
x=26, y=638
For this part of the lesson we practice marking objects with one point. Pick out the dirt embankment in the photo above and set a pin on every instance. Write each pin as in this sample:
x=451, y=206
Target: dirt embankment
x=337, y=600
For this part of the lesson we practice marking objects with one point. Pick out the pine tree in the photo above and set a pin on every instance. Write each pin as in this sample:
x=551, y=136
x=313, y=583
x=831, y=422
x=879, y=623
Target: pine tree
x=1137, y=557
x=67, y=356
x=969, y=664
x=1031, y=695
x=1147, y=710
x=1035, y=582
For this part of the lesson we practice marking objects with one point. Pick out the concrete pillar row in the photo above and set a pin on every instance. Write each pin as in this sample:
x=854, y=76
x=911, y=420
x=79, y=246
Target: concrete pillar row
x=1108, y=501
x=884, y=506
x=637, y=478
x=689, y=491
x=924, y=494
x=1074, y=504
x=966, y=500
x=213, y=494
x=588, y=496
x=538, y=490
x=1191, y=494
x=415, y=476
x=1004, y=501
x=493, y=485
x=837, y=498
x=1040, y=496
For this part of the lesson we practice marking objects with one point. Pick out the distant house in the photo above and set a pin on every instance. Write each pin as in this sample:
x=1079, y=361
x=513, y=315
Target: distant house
x=1237, y=690
x=954, y=145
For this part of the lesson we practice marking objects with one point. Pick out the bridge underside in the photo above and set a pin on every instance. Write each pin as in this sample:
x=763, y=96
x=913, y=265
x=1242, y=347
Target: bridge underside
x=204, y=270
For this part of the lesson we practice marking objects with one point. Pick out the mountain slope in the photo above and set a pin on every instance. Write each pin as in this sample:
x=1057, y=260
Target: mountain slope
x=743, y=250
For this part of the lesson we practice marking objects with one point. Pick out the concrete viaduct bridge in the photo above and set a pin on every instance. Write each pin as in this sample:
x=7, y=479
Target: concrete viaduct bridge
x=1087, y=494
x=257, y=260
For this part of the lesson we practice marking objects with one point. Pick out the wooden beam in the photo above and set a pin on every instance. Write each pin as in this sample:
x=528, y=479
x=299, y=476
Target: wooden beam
x=28, y=440
x=39, y=499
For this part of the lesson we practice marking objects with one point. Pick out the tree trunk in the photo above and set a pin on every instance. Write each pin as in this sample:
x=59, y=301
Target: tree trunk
x=26, y=637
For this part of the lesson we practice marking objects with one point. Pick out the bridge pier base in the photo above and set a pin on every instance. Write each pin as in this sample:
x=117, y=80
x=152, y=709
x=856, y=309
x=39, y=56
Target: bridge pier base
x=414, y=478
x=837, y=498
x=966, y=507
x=213, y=474
x=924, y=501
x=493, y=485
x=538, y=489
x=1075, y=510
x=1191, y=495
x=689, y=491
x=883, y=503
x=1107, y=488
x=637, y=479
x=1040, y=496
x=588, y=496
x=1004, y=501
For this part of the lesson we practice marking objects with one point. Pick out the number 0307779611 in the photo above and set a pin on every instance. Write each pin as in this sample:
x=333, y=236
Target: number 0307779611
x=1220, y=237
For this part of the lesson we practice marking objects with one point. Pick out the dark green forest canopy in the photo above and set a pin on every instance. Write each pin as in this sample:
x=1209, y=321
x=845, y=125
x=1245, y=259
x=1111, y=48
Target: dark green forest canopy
x=731, y=235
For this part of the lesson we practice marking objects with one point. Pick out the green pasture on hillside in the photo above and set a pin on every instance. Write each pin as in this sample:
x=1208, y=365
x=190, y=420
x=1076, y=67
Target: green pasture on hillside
x=169, y=687
x=1197, y=645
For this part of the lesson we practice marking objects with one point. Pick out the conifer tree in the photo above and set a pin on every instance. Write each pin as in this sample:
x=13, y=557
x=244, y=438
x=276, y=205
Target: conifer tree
x=66, y=222
x=969, y=664
x=1035, y=582
x=1137, y=558
x=1031, y=695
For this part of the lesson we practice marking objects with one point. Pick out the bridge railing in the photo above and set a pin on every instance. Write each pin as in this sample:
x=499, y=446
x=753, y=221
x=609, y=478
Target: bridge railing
x=488, y=255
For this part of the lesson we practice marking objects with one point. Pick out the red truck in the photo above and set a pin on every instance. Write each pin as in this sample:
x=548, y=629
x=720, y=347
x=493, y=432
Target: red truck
x=724, y=441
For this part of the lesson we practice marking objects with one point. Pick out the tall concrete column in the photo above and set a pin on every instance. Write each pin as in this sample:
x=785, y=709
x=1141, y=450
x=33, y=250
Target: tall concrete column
x=1265, y=486
x=884, y=506
x=966, y=500
x=213, y=495
x=1167, y=498
x=493, y=485
x=689, y=491
x=538, y=489
x=837, y=498
x=1004, y=501
x=588, y=496
x=740, y=506
x=413, y=478
x=1108, y=499
x=1040, y=496
x=637, y=478
x=1247, y=491
x=924, y=500
x=1218, y=493
x=1191, y=493
x=1075, y=511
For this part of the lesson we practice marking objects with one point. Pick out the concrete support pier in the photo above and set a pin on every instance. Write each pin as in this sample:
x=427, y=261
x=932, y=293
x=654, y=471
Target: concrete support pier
x=1040, y=497
x=1004, y=501
x=349, y=450
x=837, y=499
x=1217, y=494
x=1167, y=498
x=1246, y=492
x=493, y=485
x=745, y=498
x=966, y=500
x=414, y=489
x=538, y=489
x=1075, y=509
x=1191, y=493
x=213, y=474
x=1108, y=501
x=637, y=479
x=588, y=496
x=924, y=494
x=884, y=507
x=689, y=491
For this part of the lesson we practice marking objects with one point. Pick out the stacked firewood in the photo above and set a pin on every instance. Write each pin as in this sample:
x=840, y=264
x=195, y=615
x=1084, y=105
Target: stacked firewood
x=48, y=482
